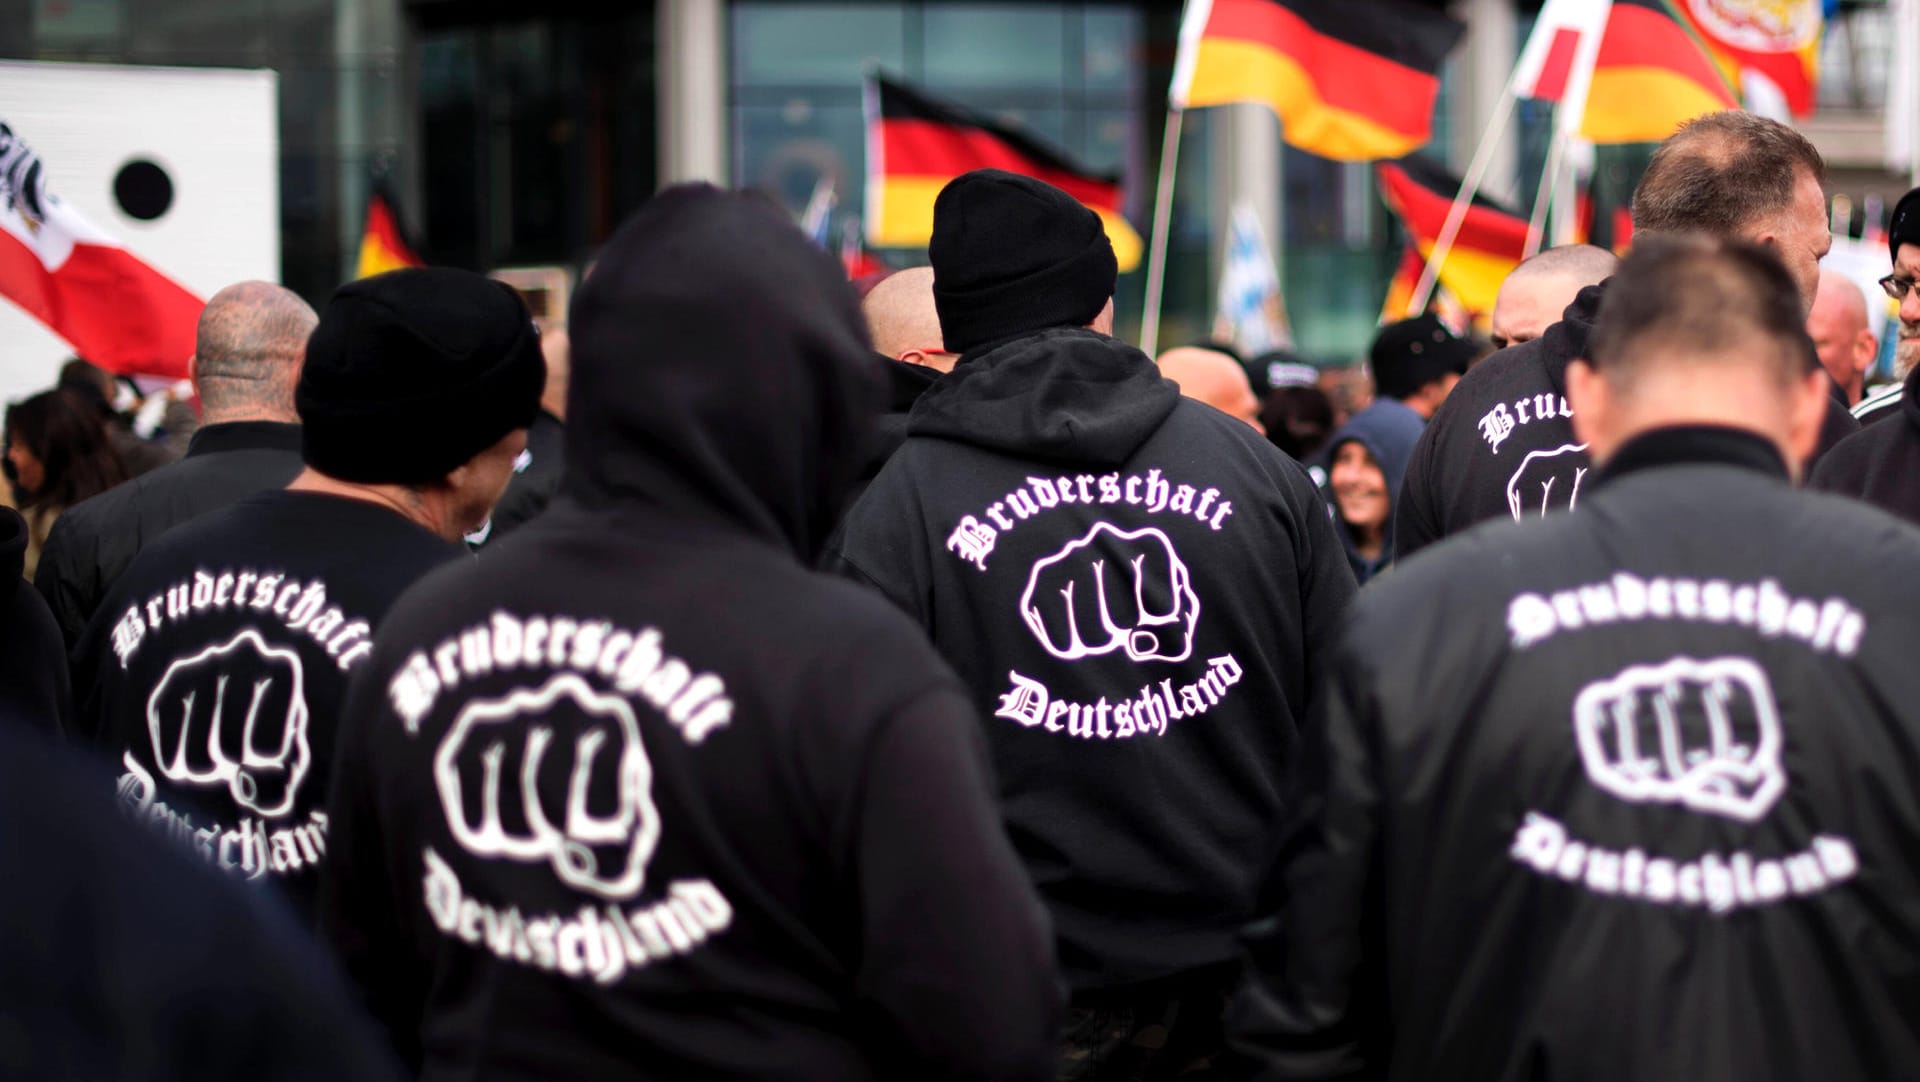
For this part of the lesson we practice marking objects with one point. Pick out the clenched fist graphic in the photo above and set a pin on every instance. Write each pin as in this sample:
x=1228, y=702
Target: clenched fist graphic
x=556, y=775
x=1701, y=734
x=1547, y=481
x=1113, y=590
x=234, y=715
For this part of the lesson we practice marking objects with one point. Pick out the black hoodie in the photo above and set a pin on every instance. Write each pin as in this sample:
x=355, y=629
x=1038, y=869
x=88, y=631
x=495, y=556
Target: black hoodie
x=1880, y=464
x=33, y=660
x=754, y=835
x=1134, y=587
x=1502, y=445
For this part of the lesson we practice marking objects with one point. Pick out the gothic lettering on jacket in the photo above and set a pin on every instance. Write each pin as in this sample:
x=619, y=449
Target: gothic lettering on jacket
x=696, y=704
x=298, y=606
x=1829, y=626
x=1700, y=736
x=252, y=848
x=1547, y=480
x=1148, y=711
x=1501, y=421
x=1113, y=590
x=974, y=537
x=557, y=775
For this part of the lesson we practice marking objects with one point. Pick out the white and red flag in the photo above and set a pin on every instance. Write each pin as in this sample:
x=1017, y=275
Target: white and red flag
x=107, y=303
x=1557, y=63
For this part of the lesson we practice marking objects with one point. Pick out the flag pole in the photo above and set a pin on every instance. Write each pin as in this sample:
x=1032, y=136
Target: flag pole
x=1162, y=218
x=1457, y=214
x=1549, y=189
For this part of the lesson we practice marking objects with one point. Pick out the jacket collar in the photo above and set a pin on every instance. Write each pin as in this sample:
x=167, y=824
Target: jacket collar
x=1693, y=445
x=244, y=436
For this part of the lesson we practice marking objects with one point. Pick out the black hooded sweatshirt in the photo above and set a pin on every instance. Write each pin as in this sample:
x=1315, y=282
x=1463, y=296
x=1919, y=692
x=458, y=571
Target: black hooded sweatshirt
x=33, y=661
x=1502, y=445
x=1134, y=587
x=754, y=834
x=1881, y=463
x=214, y=673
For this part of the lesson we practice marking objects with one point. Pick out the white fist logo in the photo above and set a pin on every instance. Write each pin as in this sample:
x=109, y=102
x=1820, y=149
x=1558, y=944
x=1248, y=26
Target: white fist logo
x=1113, y=590
x=234, y=715
x=556, y=775
x=1701, y=734
x=1547, y=481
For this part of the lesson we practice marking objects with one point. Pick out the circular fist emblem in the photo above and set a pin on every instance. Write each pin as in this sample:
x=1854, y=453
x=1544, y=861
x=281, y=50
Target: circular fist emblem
x=556, y=775
x=234, y=715
x=1701, y=734
x=1113, y=590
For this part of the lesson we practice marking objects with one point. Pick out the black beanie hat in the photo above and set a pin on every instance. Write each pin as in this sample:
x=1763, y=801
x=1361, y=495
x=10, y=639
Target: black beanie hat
x=1012, y=255
x=1412, y=353
x=1904, y=226
x=411, y=373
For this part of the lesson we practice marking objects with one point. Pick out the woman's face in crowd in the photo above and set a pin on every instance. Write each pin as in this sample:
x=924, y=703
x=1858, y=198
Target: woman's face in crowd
x=1359, y=488
x=28, y=472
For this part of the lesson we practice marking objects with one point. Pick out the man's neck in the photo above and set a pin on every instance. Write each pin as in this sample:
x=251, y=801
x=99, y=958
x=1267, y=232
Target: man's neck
x=227, y=417
x=402, y=500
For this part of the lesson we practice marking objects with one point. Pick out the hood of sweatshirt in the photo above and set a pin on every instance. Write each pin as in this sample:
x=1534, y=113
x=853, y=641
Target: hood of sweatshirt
x=721, y=372
x=1062, y=395
x=1567, y=339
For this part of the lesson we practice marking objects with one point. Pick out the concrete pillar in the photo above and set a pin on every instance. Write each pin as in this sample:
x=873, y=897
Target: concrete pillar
x=693, y=91
x=1480, y=68
x=1246, y=169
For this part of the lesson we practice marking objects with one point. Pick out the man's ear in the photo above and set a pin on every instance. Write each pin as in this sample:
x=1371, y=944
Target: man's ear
x=1590, y=398
x=1807, y=419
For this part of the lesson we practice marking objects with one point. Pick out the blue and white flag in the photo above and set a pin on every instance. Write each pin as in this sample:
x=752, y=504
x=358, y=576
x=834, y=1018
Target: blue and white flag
x=1252, y=314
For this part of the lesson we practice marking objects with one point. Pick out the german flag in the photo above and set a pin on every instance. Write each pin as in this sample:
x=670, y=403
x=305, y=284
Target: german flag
x=1420, y=191
x=917, y=144
x=382, y=245
x=1353, y=80
x=1651, y=76
x=1406, y=279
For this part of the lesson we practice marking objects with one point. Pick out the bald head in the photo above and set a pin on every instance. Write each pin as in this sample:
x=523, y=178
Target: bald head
x=1210, y=376
x=247, y=355
x=903, y=322
x=1841, y=333
x=1539, y=290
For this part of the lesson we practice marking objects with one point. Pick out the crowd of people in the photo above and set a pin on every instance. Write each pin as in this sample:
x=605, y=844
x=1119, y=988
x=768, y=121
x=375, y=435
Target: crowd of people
x=753, y=679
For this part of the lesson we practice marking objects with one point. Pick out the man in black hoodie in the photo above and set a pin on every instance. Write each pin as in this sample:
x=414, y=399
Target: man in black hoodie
x=33, y=663
x=215, y=670
x=905, y=328
x=1625, y=794
x=1503, y=445
x=1881, y=464
x=1133, y=587
x=638, y=795
x=246, y=361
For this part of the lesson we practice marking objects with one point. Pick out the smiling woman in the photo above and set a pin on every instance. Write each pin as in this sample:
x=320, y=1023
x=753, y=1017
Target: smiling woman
x=1366, y=460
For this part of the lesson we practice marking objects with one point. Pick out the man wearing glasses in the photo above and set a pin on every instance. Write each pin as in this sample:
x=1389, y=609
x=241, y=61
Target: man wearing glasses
x=1881, y=464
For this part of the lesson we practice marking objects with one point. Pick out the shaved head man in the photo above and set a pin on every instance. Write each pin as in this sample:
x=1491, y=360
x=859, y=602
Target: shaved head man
x=1539, y=290
x=246, y=362
x=1210, y=376
x=903, y=322
x=1838, y=327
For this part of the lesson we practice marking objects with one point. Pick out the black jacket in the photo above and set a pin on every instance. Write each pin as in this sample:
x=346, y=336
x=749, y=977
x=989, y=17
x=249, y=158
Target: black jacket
x=1879, y=404
x=214, y=674
x=1502, y=445
x=536, y=478
x=33, y=663
x=1133, y=587
x=1881, y=463
x=94, y=540
x=125, y=962
x=1628, y=794
x=905, y=384
x=784, y=863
